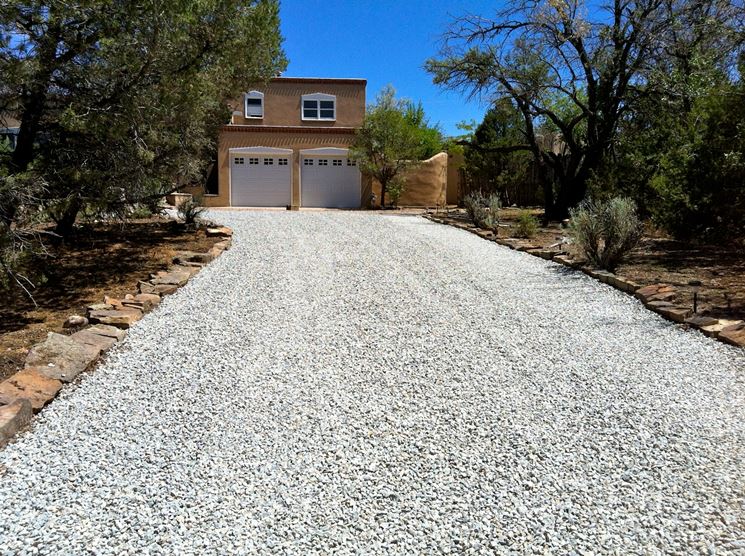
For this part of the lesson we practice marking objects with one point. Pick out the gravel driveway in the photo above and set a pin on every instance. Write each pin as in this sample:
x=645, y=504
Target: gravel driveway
x=356, y=383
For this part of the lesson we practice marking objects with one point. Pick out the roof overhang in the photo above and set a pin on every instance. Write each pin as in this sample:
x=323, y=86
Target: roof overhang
x=259, y=150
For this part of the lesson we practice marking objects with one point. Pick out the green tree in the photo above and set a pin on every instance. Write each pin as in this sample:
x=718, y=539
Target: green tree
x=394, y=137
x=566, y=66
x=487, y=158
x=121, y=101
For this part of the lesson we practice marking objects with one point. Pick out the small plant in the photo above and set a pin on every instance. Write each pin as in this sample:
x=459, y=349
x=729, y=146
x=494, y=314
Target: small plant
x=527, y=225
x=483, y=211
x=606, y=231
x=395, y=190
x=191, y=210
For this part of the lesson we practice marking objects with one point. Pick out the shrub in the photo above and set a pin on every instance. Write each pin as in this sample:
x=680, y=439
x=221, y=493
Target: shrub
x=483, y=211
x=395, y=190
x=605, y=231
x=527, y=225
x=191, y=210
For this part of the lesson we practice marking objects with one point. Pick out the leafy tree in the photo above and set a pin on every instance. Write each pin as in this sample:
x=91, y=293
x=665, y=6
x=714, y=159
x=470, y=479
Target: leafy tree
x=487, y=157
x=393, y=137
x=568, y=67
x=121, y=101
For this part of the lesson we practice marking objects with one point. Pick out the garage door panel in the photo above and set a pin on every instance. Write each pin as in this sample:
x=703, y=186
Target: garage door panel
x=331, y=182
x=261, y=181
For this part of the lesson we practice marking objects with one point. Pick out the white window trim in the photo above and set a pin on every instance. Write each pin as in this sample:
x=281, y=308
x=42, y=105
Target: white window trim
x=253, y=95
x=317, y=97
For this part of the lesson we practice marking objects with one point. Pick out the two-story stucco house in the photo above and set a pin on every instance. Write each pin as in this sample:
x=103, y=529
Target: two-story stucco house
x=287, y=145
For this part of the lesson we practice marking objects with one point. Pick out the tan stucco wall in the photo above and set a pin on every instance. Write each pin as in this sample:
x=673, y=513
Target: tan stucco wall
x=285, y=140
x=426, y=184
x=282, y=102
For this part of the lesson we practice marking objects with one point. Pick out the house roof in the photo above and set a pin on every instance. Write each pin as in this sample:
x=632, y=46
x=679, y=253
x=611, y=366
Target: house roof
x=329, y=80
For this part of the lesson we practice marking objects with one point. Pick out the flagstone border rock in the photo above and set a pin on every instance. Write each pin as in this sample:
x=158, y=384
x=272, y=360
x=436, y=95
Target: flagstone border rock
x=660, y=298
x=60, y=359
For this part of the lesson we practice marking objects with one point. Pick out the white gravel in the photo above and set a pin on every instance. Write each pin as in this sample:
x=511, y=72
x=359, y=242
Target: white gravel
x=356, y=383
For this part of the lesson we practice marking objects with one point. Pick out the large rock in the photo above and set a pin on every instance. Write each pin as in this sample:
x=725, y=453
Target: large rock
x=188, y=258
x=13, y=418
x=121, y=318
x=60, y=357
x=31, y=385
x=152, y=298
x=700, y=321
x=75, y=321
x=95, y=341
x=734, y=334
x=222, y=231
x=655, y=292
x=676, y=314
x=170, y=278
x=109, y=331
x=713, y=330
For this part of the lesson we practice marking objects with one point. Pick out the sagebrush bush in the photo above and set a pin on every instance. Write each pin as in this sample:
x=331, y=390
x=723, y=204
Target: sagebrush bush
x=606, y=231
x=483, y=210
x=527, y=225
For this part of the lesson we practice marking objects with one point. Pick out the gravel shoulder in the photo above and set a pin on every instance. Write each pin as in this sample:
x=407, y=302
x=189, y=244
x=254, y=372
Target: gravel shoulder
x=357, y=383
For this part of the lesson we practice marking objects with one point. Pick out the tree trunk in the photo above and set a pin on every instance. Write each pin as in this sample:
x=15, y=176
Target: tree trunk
x=383, y=188
x=66, y=221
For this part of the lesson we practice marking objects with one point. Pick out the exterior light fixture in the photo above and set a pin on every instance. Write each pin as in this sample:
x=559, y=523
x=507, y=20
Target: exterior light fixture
x=696, y=287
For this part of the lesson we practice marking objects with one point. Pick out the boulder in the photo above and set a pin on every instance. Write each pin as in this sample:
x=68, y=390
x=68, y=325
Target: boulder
x=225, y=244
x=31, y=385
x=151, y=298
x=100, y=307
x=222, y=231
x=566, y=260
x=13, y=418
x=114, y=302
x=188, y=258
x=165, y=289
x=734, y=334
x=699, y=321
x=60, y=357
x=655, y=292
x=75, y=321
x=191, y=270
x=145, y=287
x=92, y=340
x=121, y=318
x=170, y=278
x=109, y=331
x=543, y=253
x=676, y=314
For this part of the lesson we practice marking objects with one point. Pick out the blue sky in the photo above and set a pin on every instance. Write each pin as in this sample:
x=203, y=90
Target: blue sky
x=384, y=41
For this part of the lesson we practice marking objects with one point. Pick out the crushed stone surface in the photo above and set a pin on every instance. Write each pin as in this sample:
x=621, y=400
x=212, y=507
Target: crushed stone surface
x=357, y=383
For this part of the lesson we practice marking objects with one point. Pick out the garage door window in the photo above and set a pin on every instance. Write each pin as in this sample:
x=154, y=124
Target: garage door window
x=268, y=161
x=351, y=162
x=308, y=162
x=253, y=160
x=336, y=162
x=282, y=161
x=239, y=160
x=323, y=162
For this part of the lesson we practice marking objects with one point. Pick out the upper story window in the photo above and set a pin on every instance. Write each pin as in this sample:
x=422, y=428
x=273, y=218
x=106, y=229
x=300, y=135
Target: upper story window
x=319, y=106
x=254, y=104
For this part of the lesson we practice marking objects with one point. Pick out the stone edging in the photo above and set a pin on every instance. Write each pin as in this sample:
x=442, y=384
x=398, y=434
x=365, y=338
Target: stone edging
x=656, y=297
x=59, y=359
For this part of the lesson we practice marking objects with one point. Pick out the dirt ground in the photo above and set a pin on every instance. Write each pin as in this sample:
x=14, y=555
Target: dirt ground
x=98, y=260
x=659, y=259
